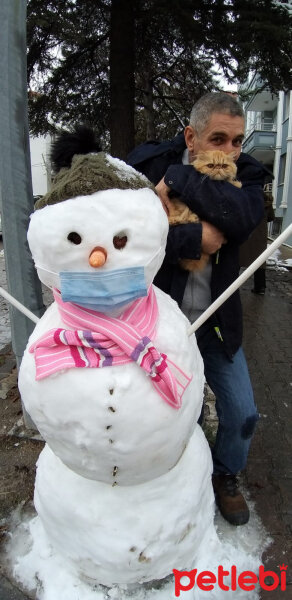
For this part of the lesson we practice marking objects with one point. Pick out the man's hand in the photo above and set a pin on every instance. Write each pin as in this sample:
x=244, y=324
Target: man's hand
x=162, y=190
x=212, y=238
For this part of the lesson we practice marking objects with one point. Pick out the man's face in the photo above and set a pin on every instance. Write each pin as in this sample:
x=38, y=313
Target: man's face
x=222, y=132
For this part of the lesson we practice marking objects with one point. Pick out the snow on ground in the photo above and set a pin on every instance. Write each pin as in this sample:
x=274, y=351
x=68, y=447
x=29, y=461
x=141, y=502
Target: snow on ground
x=276, y=262
x=41, y=571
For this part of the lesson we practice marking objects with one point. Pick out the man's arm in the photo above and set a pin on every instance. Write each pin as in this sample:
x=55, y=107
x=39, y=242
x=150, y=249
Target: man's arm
x=184, y=241
x=191, y=239
x=233, y=211
x=190, y=242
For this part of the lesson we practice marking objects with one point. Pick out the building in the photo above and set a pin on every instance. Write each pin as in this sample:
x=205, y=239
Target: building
x=40, y=148
x=269, y=140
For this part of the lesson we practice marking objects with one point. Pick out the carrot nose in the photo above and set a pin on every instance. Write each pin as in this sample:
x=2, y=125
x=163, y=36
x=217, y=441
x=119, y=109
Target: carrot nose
x=97, y=257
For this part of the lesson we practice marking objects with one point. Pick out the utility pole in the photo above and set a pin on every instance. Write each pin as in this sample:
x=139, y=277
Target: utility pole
x=15, y=175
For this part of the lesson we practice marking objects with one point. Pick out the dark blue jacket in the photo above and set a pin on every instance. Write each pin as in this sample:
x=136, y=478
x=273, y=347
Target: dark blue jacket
x=235, y=211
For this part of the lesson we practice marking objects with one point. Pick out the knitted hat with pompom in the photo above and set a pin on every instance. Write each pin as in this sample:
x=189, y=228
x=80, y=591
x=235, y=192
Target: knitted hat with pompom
x=83, y=169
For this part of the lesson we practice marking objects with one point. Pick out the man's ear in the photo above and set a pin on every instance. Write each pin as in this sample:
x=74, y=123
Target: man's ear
x=189, y=138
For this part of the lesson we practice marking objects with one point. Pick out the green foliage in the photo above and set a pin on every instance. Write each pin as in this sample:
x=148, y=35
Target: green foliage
x=68, y=63
x=177, y=44
x=261, y=41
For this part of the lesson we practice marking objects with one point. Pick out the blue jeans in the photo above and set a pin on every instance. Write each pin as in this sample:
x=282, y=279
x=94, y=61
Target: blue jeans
x=230, y=382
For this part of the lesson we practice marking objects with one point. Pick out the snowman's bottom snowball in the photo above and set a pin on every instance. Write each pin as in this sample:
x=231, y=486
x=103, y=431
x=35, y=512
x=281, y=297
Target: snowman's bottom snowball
x=128, y=534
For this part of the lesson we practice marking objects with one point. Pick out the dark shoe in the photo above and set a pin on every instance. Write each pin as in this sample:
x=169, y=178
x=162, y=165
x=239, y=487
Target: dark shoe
x=229, y=500
x=260, y=291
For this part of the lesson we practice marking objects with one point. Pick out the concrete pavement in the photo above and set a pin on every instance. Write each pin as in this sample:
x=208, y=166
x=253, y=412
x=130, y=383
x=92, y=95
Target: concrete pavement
x=268, y=476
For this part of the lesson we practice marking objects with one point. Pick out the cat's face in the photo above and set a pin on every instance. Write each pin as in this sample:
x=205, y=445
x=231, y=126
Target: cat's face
x=216, y=164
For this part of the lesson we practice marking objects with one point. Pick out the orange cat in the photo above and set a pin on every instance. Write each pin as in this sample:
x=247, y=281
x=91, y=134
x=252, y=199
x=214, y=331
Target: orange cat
x=216, y=165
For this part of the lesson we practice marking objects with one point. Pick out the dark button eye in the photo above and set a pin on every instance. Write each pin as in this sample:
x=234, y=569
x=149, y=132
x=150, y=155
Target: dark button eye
x=119, y=241
x=74, y=237
x=210, y=166
x=224, y=166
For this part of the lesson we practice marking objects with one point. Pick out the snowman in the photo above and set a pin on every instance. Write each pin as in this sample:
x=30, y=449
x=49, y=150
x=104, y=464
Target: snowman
x=113, y=381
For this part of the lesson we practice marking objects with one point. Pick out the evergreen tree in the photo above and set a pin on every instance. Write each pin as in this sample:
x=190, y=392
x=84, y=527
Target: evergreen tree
x=104, y=61
x=122, y=81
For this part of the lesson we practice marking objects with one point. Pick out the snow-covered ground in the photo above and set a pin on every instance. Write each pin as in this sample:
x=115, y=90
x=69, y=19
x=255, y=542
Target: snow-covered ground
x=276, y=261
x=45, y=574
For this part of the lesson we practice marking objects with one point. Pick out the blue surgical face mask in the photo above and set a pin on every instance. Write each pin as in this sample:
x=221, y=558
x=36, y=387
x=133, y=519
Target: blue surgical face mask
x=103, y=290
x=106, y=291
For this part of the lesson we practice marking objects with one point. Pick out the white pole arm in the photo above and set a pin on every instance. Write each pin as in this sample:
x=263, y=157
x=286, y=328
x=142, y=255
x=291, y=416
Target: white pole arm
x=18, y=305
x=240, y=280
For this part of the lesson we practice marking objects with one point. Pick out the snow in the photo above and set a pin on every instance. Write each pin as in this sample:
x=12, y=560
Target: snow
x=93, y=540
x=109, y=426
x=79, y=435
x=125, y=171
x=276, y=262
x=153, y=525
x=97, y=219
x=38, y=567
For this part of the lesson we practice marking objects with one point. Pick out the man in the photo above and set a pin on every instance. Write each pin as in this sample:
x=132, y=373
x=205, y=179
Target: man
x=228, y=215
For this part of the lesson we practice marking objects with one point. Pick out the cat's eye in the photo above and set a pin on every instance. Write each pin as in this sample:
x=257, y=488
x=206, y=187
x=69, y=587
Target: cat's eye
x=119, y=241
x=210, y=165
x=224, y=166
x=74, y=238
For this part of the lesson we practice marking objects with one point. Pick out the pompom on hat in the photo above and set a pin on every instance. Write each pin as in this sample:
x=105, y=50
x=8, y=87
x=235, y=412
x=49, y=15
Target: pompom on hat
x=82, y=169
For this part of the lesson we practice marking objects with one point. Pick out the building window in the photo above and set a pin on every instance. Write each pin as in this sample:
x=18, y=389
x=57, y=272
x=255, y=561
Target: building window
x=282, y=169
x=286, y=105
x=276, y=226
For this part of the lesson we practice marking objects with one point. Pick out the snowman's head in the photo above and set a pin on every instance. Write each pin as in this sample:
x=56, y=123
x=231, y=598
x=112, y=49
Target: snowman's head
x=100, y=216
x=103, y=231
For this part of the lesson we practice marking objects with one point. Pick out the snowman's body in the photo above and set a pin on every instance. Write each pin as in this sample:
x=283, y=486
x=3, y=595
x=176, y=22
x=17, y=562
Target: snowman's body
x=119, y=456
x=130, y=534
x=110, y=424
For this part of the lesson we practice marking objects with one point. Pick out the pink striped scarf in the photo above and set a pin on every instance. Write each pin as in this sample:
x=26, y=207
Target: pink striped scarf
x=97, y=340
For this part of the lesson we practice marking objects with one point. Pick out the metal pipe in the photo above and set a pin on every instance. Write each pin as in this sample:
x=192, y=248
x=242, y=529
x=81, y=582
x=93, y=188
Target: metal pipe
x=240, y=280
x=18, y=305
